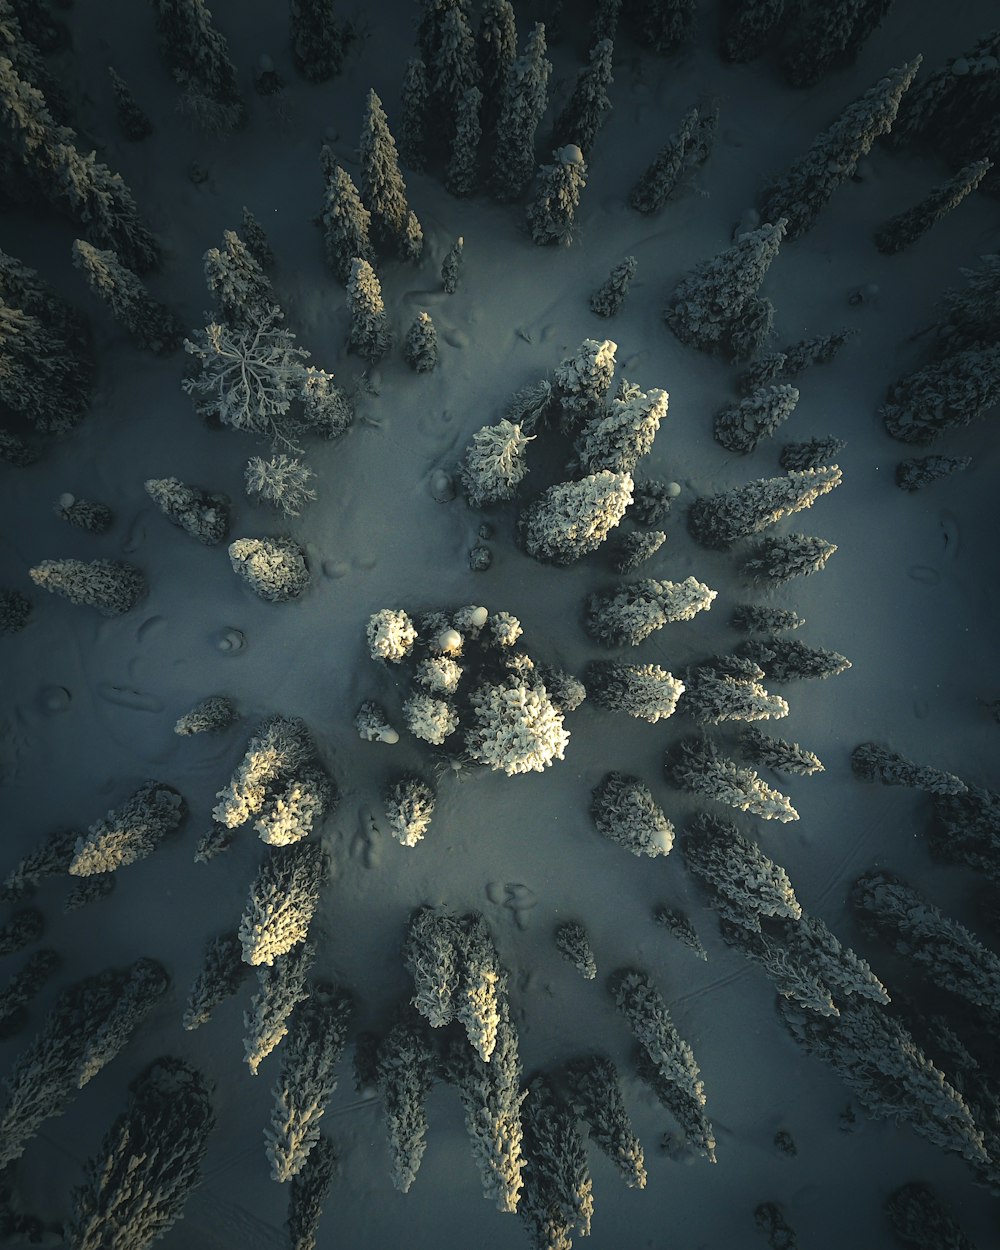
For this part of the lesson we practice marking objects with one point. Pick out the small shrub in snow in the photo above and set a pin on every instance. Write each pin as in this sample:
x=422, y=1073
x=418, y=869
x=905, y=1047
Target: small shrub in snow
x=200, y=514
x=923, y=470
x=776, y=560
x=651, y=502
x=697, y=765
x=634, y=610
x=372, y=724
x=607, y=300
x=280, y=482
x=719, y=520
x=451, y=266
x=646, y=691
x=680, y=927
x=409, y=806
x=624, y=810
x=391, y=635
x=85, y=514
x=551, y=214
x=494, y=463
x=574, y=945
x=420, y=347
x=130, y=832
x=370, y=335
x=573, y=518
x=274, y=568
x=111, y=586
x=740, y=427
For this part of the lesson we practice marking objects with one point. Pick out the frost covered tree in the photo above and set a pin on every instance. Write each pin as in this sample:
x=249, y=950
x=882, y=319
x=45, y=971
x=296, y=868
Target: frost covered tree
x=905, y=228
x=461, y=176
x=557, y=1198
x=319, y=40
x=920, y=1220
x=345, y=220
x=617, y=438
x=274, y=568
x=634, y=610
x=754, y=618
x=633, y=549
x=719, y=520
x=624, y=811
x=667, y=1061
x=607, y=300
x=587, y=108
x=515, y=726
x=872, y=762
x=921, y=471
x=786, y=757
x=221, y=974
x=242, y=291
x=806, y=186
x=744, y=883
x=282, y=900
x=140, y=986
x=317, y=1036
x=482, y=986
x=651, y=502
x=580, y=385
x=824, y=35
x=494, y=463
x=661, y=25
x=420, y=347
x=150, y=1160
x=326, y=410
x=391, y=635
x=382, y=186
x=130, y=832
x=571, y=519
x=15, y=609
x=698, y=766
x=202, y=515
x=784, y=659
x=451, y=266
x=280, y=759
x=403, y=1076
x=550, y=215
x=522, y=104
x=573, y=944
x=496, y=49
x=966, y=830
x=281, y=482
x=198, y=56
x=281, y=986
x=430, y=718
x=308, y=1192
x=716, y=307
x=740, y=427
x=85, y=514
x=149, y=323
x=645, y=691
x=451, y=66
x=409, y=806
x=132, y=120
x=943, y=395
x=255, y=239
x=597, y=1097
x=113, y=587
x=793, y=359
x=46, y=376
x=776, y=560
x=659, y=179
x=13, y=450
x=370, y=335
x=49, y=858
x=749, y=26
x=812, y=454
x=432, y=954
x=22, y=988
x=729, y=689
x=680, y=927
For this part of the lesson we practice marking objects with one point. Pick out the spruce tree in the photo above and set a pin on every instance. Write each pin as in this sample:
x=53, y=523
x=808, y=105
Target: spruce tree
x=403, y=1076
x=432, y=953
x=13, y=450
x=872, y=762
x=319, y=41
x=221, y=974
x=597, y=1097
x=754, y=618
x=282, y=900
x=786, y=757
x=23, y=987
x=680, y=927
x=571, y=519
x=494, y=464
x=111, y=586
x=740, y=427
x=634, y=549
x=496, y=49
x=551, y=213
x=132, y=121
x=241, y=290
x=646, y=691
x=920, y=1220
x=275, y=569
x=308, y=1192
x=745, y=885
x=461, y=176
x=281, y=986
x=915, y=474
x=85, y=514
x=149, y=323
x=634, y=610
x=580, y=386
x=420, y=348
x=776, y=560
x=45, y=379
x=130, y=832
x=198, y=55
x=255, y=240
x=943, y=395
x=202, y=515
x=824, y=35
x=15, y=609
x=557, y=1197
x=662, y=25
x=516, y=727
x=452, y=71
x=451, y=266
x=409, y=805
x=794, y=359
x=903, y=229
x=620, y=435
x=803, y=190
x=370, y=335
x=574, y=945
x=624, y=811
x=525, y=96
x=729, y=689
x=414, y=107
x=748, y=27
x=784, y=659
x=23, y=928
x=346, y=221
x=660, y=178
x=966, y=830
x=587, y=108
x=281, y=482
x=697, y=765
x=811, y=454
x=719, y=520
x=382, y=186
x=607, y=300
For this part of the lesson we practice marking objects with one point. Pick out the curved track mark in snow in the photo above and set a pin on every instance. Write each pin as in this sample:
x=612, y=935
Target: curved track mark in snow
x=718, y=983
x=127, y=696
x=152, y=625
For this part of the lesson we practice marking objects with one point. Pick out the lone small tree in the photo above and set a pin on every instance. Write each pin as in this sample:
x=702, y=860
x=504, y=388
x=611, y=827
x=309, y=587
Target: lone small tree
x=624, y=811
x=420, y=348
x=451, y=266
x=551, y=214
x=607, y=300
x=658, y=181
x=132, y=120
x=777, y=560
x=494, y=463
x=113, y=587
x=274, y=568
x=370, y=335
x=697, y=765
x=740, y=427
x=719, y=520
x=905, y=228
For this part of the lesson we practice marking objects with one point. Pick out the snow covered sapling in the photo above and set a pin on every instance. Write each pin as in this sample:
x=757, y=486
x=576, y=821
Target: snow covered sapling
x=566, y=691
x=903, y=229
x=382, y=186
x=634, y=610
x=132, y=121
x=824, y=35
x=373, y=725
x=719, y=520
x=753, y=618
x=403, y=1076
x=370, y=335
x=280, y=988
x=574, y=945
x=786, y=757
x=680, y=927
x=282, y=900
x=571, y=519
x=698, y=766
x=749, y=26
x=429, y=718
x=633, y=549
x=451, y=266
x=319, y=40
x=551, y=213
x=409, y=805
x=943, y=395
x=872, y=762
x=597, y=1097
x=776, y=560
x=515, y=726
x=645, y=691
x=274, y=568
x=607, y=300
x=804, y=189
x=740, y=427
x=15, y=608
x=784, y=659
x=523, y=102
x=587, y=108
x=420, y=347
x=221, y=975
x=461, y=176
x=199, y=57
x=280, y=482
x=149, y=323
x=624, y=811
x=130, y=832
x=729, y=689
x=811, y=454
x=111, y=586
x=200, y=514
x=915, y=474
x=414, y=100
x=658, y=181
x=494, y=463
x=557, y=1198
x=86, y=514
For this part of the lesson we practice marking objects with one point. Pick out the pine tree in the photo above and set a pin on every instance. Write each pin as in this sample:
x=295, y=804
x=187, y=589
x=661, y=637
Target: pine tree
x=740, y=427
x=784, y=659
x=943, y=395
x=149, y=323
x=522, y=105
x=432, y=955
x=793, y=359
x=281, y=986
x=345, y=220
x=624, y=811
x=651, y=502
x=149, y=1161
x=573, y=944
x=786, y=757
x=255, y=240
x=307, y=1080
x=281, y=482
x=572, y=518
x=697, y=765
x=872, y=762
x=776, y=560
x=587, y=108
x=319, y=41
x=308, y=1192
x=812, y=454
x=496, y=49
x=515, y=726
x=662, y=25
x=645, y=691
x=46, y=377
x=451, y=266
x=580, y=386
x=494, y=464
x=823, y=35
x=403, y=1077
x=452, y=70
x=414, y=105
x=239, y=286
x=607, y=300
x=557, y=1197
x=716, y=307
x=636, y=548
x=482, y=986
x=420, y=347
x=903, y=229
x=634, y=610
x=50, y=858
x=221, y=975
x=550, y=215
x=966, y=830
x=719, y=520
x=198, y=55
x=327, y=411
x=382, y=186
x=618, y=437
x=132, y=121
x=13, y=450
x=729, y=689
x=369, y=336
x=202, y=515
x=748, y=28
x=283, y=898
x=461, y=177
x=111, y=586
x=753, y=618
x=85, y=514
x=803, y=190
x=597, y=1097
x=142, y=984
x=130, y=832
x=274, y=568
x=915, y=474
x=23, y=928
x=660, y=178
x=102, y=202
x=680, y=927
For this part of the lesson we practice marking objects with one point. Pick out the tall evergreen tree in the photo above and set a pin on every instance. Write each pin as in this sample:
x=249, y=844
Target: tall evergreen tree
x=496, y=49
x=587, y=108
x=719, y=520
x=551, y=213
x=382, y=186
x=573, y=518
x=740, y=427
x=370, y=335
x=453, y=71
x=113, y=587
x=319, y=41
x=748, y=27
x=308, y=1192
x=607, y=300
x=103, y=202
x=239, y=286
x=903, y=229
x=597, y=1098
x=557, y=1196
x=132, y=121
x=462, y=173
x=414, y=106
x=403, y=1076
x=46, y=376
x=915, y=474
x=345, y=220
x=634, y=610
x=198, y=55
x=775, y=560
x=149, y=323
x=943, y=395
x=822, y=35
x=697, y=765
x=525, y=96
x=794, y=359
x=656, y=183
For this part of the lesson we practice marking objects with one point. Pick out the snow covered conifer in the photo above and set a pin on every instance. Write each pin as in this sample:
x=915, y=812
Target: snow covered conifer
x=557, y=1198
x=824, y=35
x=580, y=385
x=494, y=463
x=525, y=96
x=149, y=323
x=749, y=26
x=740, y=427
x=574, y=945
x=516, y=727
x=804, y=189
x=794, y=359
x=199, y=57
x=326, y=410
x=745, y=885
x=103, y=203
x=811, y=454
x=680, y=927
x=719, y=520
x=203, y=516
x=597, y=1097
x=409, y=805
x=634, y=610
x=716, y=306
x=382, y=186
x=482, y=986
x=662, y=25
x=345, y=220
x=656, y=183
x=651, y=502
x=566, y=691
x=281, y=986
x=130, y=832
x=137, y=990
x=23, y=928
x=221, y=975
x=452, y=70
x=786, y=757
x=420, y=347
x=588, y=106
x=23, y=986
x=915, y=474
x=451, y=266
x=111, y=586
x=15, y=451
x=645, y=691
x=414, y=105
x=370, y=335
x=607, y=300
x=308, y=1192
x=943, y=395
x=278, y=753
x=403, y=1077
x=551, y=213
x=903, y=229
x=754, y=618
x=496, y=48
x=624, y=811
x=239, y=286
x=391, y=635
x=618, y=437
x=729, y=689
x=697, y=765
x=783, y=659
x=132, y=120
x=255, y=240
x=429, y=718
x=776, y=560
x=274, y=568
x=461, y=176
x=432, y=953
x=283, y=897
x=46, y=376
x=571, y=519
x=85, y=514
x=920, y=1220
x=872, y=762
x=636, y=548
x=280, y=482
x=15, y=608
x=319, y=41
